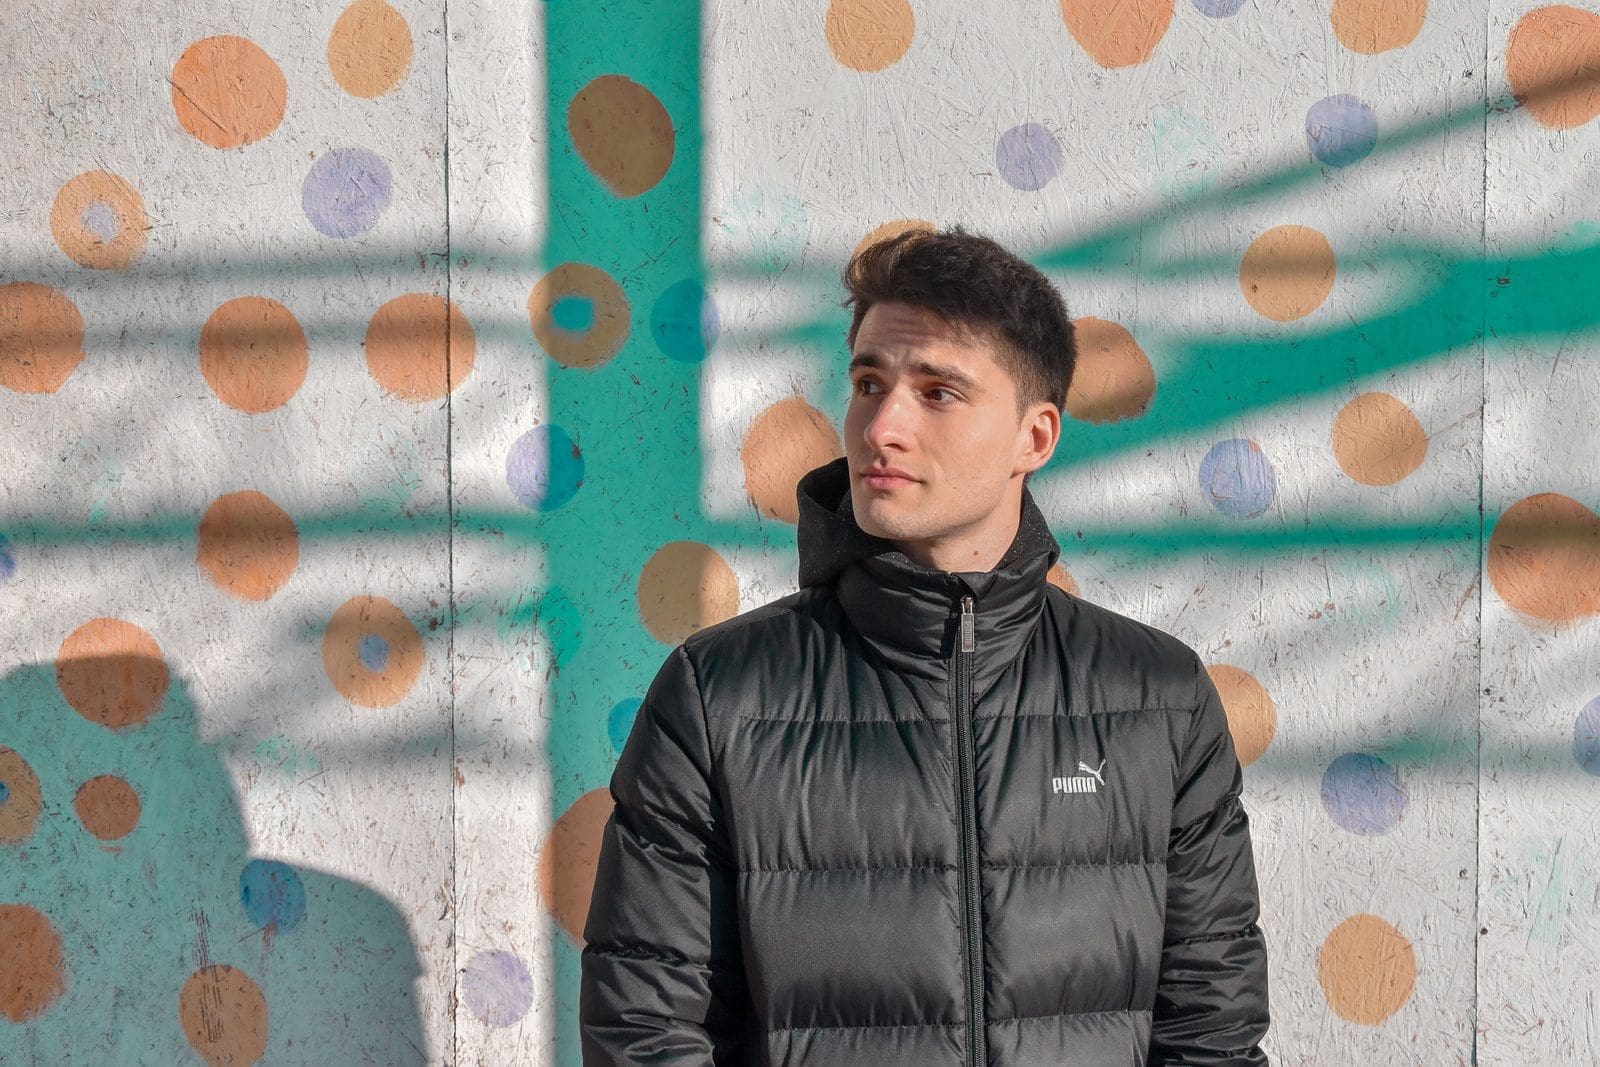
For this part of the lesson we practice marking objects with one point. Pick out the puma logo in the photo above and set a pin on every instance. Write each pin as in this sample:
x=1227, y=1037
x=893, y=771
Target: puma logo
x=1088, y=782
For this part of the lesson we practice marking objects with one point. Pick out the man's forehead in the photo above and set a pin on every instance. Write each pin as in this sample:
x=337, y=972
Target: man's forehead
x=889, y=327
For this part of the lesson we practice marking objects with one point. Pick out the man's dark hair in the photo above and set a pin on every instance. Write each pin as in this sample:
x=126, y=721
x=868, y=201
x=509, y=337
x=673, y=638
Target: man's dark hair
x=974, y=284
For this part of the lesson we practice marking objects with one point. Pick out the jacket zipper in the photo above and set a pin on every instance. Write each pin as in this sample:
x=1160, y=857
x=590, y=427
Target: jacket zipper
x=967, y=803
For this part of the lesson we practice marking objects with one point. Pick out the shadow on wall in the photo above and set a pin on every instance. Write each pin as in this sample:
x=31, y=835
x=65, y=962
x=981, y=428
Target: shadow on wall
x=135, y=925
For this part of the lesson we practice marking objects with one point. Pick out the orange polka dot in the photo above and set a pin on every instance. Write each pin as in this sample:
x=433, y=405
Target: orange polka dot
x=98, y=220
x=623, y=134
x=1544, y=558
x=1118, y=33
x=112, y=673
x=1252, y=715
x=249, y=546
x=19, y=812
x=33, y=971
x=1377, y=440
x=1367, y=969
x=107, y=806
x=1062, y=579
x=1287, y=272
x=784, y=442
x=369, y=50
x=568, y=859
x=1553, y=64
x=372, y=652
x=890, y=229
x=227, y=91
x=419, y=347
x=1373, y=26
x=41, y=337
x=224, y=1015
x=869, y=35
x=684, y=587
x=1113, y=379
x=609, y=313
x=253, y=354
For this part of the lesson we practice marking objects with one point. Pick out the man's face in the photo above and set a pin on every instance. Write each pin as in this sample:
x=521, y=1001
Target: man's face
x=936, y=406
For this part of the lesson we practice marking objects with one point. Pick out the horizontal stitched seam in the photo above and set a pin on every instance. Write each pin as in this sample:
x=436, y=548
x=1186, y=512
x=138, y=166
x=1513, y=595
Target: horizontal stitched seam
x=869, y=867
x=845, y=722
x=1086, y=714
x=639, y=953
x=1201, y=939
x=877, y=1026
x=1065, y=1014
x=1117, y=863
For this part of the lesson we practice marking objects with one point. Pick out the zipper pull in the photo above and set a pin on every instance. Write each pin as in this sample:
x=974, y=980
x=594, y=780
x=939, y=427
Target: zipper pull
x=969, y=626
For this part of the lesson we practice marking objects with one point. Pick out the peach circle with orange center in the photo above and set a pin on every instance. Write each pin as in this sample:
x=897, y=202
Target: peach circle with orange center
x=1373, y=26
x=369, y=48
x=623, y=134
x=1553, y=65
x=1367, y=969
x=869, y=35
x=569, y=857
x=419, y=347
x=686, y=586
x=1252, y=714
x=1287, y=272
x=112, y=673
x=249, y=546
x=24, y=801
x=1113, y=379
x=1544, y=558
x=224, y=1015
x=32, y=962
x=227, y=92
x=1378, y=440
x=41, y=337
x=253, y=354
x=1118, y=33
x=784, y=442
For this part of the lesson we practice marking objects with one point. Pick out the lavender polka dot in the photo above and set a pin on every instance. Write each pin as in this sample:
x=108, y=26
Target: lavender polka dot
x=8, y=559
x=1218, y=9
x=1028, y=156
x=619, y=724
x=100, y=220
x=1586, y=738
x=345, y=191
x=374, y=652
x=544, y=468
x=1237, y=478
x=497, y=987
x=1341, y=130
x=1364, y=794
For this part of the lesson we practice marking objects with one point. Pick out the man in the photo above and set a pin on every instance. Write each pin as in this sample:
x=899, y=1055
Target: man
x=930, y=809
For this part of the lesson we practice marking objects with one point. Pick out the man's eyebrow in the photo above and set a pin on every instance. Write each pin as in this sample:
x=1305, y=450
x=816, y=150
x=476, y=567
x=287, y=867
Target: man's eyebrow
x=955, y=376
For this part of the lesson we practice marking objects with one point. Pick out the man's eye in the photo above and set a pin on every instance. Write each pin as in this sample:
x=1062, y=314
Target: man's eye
x=864, y=385
x=948, y=394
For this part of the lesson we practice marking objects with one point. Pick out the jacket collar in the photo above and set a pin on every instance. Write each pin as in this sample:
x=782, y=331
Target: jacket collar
x=909, y=612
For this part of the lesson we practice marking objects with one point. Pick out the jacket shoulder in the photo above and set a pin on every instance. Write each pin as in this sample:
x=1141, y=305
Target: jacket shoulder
x=1119, y=662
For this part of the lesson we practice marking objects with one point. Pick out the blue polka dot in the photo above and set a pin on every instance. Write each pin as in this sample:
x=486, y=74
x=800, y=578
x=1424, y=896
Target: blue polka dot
x=5, y=791
x=558, y=618
x=1341, y=130
x=100, y=220
x=1363, y=794
x=345, y=191
x=8, y=559
x=272, y=893
x=620, y=722
x=544, y=468
x=575, y=314
x=685, y=322
x=1218, y=9
x=1586, y=738
x=1237, y=478
x=1028, y=156
x=374, y=652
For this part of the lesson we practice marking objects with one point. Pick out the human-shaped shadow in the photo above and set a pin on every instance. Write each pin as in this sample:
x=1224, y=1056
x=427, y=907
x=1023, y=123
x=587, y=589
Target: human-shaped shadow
x=136, y=927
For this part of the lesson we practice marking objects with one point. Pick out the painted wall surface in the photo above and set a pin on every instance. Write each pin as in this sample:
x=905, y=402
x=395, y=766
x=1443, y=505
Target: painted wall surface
x=387, y=388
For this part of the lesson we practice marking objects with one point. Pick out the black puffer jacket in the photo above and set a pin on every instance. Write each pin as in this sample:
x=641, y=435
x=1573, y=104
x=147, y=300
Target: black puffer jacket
x=906, y=816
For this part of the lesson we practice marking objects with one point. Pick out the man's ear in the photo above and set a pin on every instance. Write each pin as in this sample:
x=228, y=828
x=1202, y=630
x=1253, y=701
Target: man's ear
x=1038, y=435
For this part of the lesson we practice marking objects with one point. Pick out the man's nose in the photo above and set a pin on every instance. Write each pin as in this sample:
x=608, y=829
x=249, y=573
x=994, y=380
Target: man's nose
x=889, y=425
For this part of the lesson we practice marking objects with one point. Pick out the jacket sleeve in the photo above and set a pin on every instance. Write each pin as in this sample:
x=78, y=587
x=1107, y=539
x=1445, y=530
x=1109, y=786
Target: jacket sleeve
x=1211, y=999
x=662, y=974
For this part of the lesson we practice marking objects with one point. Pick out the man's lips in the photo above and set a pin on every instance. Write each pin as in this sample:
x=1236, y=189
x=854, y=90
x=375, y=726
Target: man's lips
x=886, y=477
